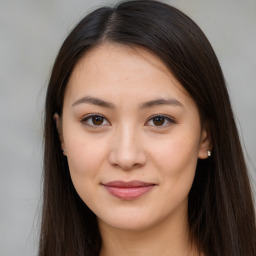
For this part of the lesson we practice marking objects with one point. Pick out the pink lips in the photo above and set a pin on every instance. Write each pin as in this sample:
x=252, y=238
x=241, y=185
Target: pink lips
x=128, y=190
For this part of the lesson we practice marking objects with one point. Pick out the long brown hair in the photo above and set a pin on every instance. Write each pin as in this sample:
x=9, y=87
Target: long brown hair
x=220, y=206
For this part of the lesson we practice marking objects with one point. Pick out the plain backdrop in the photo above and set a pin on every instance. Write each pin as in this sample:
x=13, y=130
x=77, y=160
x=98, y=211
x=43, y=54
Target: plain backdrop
x=31, y=32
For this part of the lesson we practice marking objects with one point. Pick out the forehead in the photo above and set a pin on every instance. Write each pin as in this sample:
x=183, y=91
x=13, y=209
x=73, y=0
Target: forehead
x=114, y=70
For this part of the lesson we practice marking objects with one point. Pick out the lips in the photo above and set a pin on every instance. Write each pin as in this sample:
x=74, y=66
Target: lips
x=128, y=190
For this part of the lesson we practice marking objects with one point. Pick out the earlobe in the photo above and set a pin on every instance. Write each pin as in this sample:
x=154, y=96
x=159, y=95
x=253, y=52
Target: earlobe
x=58, y=122
x=205, y=146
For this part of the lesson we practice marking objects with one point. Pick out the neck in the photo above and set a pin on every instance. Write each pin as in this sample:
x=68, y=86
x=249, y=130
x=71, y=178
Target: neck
x=170, y=237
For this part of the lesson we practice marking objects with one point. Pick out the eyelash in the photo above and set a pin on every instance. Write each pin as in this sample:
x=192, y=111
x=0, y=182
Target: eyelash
x=167, y=119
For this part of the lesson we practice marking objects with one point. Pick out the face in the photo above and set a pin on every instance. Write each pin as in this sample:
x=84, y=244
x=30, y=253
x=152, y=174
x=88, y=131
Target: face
x=132, y=137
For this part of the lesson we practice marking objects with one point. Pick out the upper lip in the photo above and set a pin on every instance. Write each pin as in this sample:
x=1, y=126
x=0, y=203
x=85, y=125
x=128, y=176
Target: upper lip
x=128, y=184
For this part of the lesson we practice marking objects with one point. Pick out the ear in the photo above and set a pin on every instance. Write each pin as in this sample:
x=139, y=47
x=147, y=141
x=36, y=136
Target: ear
x=58, y=122
x=205, y=142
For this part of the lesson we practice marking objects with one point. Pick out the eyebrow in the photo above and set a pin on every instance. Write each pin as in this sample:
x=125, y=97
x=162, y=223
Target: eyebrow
x=148, y=104
x=94, y=101
x=161, y=101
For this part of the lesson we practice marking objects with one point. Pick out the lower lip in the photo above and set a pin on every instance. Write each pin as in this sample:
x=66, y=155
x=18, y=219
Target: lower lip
x=129, y=193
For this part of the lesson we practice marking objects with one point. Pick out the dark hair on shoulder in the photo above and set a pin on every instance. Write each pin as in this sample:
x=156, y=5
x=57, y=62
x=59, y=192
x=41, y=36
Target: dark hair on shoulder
x=220, y=206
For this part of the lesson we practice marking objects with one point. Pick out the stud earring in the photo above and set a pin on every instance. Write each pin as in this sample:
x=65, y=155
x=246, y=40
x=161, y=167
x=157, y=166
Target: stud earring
x=209, y=153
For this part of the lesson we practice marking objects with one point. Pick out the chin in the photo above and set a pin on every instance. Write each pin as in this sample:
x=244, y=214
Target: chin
x=128, y=224
x=129, y=220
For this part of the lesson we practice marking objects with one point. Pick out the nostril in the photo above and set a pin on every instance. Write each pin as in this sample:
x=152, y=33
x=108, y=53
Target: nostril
x=126, y=152
x=125, y=165
x=127, y=162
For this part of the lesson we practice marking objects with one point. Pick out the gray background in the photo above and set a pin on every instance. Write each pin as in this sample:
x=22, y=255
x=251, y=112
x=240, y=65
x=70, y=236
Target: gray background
x=31, y=33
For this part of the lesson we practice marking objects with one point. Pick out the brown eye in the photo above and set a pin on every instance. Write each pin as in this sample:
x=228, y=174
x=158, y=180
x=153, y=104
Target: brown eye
x=97, y=120
x=158, y=121
x=161, y=121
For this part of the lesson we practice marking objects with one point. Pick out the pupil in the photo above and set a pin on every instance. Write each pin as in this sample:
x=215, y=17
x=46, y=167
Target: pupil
x=97, y=120
x=158, y=121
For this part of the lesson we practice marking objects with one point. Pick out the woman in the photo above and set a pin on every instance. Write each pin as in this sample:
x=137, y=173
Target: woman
x=142, y=155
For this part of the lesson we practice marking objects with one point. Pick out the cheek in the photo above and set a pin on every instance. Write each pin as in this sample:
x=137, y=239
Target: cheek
x=176, y=152
x=85, y=158
x=177, y=159
x=85, y=153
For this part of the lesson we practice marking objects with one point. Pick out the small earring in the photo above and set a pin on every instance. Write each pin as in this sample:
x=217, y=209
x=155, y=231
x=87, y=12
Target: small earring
x=209, y=153
x=64, y=153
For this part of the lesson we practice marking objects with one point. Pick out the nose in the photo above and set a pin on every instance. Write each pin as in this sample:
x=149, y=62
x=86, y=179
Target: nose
x=127, y=150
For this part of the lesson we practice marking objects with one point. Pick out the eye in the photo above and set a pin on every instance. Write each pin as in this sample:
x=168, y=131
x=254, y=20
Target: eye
x=95, y=120
x=160, y=120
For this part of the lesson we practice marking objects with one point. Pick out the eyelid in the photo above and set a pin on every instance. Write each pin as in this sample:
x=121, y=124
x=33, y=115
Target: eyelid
x=171, y=120
x=85, y=118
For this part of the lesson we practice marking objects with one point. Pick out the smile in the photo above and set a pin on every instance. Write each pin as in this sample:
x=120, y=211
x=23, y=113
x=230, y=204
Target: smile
x=128, y=190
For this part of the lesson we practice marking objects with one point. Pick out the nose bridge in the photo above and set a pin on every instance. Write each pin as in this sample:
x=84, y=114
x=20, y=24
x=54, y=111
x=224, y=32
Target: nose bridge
x=127, y=149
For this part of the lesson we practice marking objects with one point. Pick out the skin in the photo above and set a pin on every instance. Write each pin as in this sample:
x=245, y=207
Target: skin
x=128, y=144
